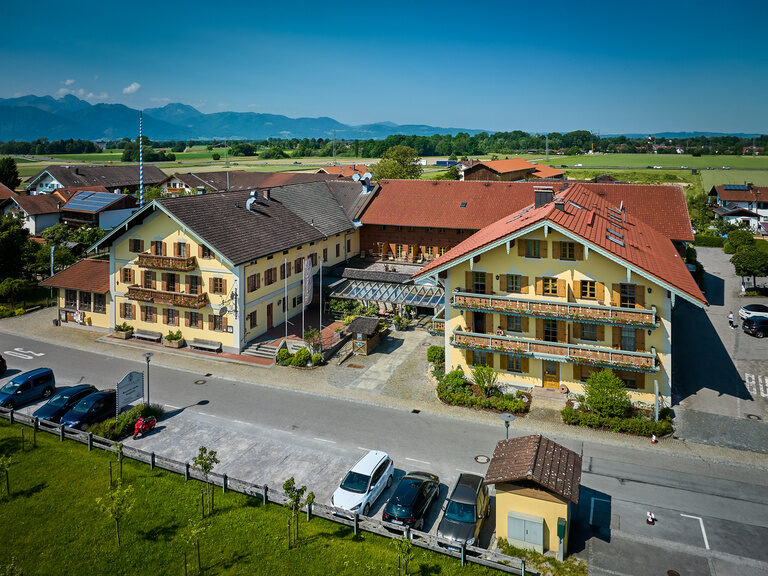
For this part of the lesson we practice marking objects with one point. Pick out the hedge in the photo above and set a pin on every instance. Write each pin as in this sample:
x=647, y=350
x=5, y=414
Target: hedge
x=123, y=427
x=635, y=426
x=709, y=240
x=505, y=403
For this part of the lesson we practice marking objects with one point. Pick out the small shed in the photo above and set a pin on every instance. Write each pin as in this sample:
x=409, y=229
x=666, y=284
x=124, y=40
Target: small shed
x=365, y=334
x=537, y=485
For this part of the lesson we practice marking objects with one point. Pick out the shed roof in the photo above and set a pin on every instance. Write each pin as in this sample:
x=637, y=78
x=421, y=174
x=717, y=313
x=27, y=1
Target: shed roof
x=538, y=459
x=363, y=325
x=109, y=176
x=242, y=180
x=88, y=275
x=741, y=193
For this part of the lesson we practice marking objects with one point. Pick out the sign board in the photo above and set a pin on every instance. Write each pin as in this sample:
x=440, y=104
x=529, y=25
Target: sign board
x=129, y=389
x=308, y=288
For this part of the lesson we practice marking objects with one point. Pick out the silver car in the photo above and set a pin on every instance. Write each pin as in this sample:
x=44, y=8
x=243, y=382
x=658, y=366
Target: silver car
x=752, y=310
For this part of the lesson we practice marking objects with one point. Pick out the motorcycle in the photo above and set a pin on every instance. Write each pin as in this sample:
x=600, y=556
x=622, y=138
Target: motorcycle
x=144, y=425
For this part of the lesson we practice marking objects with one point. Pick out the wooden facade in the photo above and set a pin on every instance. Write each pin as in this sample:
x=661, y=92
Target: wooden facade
x=409, y=243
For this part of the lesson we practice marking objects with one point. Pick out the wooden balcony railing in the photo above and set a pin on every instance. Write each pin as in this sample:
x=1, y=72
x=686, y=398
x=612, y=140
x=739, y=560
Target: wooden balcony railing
x=573, y=353
x=176, y=263
x=569, y=311
x=172, y=298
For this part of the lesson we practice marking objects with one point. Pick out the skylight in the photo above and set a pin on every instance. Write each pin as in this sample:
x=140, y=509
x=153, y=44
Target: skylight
x=616, y=240
x=612, y=231
x=574, y=205
x=463, y=205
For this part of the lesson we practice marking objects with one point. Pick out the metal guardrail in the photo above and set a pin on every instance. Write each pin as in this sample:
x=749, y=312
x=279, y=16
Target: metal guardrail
x=466, y=554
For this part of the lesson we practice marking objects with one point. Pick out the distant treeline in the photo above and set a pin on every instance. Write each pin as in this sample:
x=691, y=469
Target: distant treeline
x=42, y=147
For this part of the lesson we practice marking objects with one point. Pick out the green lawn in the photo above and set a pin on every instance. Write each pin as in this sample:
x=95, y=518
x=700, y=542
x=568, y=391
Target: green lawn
x=663, y=160
x=52, y=525
x=715, y=177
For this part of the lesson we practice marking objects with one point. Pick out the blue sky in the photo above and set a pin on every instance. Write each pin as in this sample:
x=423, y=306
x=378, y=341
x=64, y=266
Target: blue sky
x=602, y=66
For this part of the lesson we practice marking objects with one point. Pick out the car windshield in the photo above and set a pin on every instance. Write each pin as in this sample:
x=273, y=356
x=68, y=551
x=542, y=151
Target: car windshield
x=460, y=512
x=84, y=405
x=59, y=400
x=355, y=482
x=397, y=510
x=10, y=387
x=757, y=308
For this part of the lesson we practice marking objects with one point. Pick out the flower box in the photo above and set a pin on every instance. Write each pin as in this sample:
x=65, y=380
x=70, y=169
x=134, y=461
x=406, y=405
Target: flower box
x=173, y=343
x=123, y=334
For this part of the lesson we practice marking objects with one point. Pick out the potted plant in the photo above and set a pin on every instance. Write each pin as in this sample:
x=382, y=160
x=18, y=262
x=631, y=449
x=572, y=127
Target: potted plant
x=123, y=331
x=173, y=339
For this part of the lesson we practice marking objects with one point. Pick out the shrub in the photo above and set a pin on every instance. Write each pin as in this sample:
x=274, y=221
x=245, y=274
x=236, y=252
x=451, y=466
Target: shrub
x=455, y=378
x=317, y=359
x=123, y=427
x=464, y=397
x=634, y=425
x=124, y=327
x=301, y=358
x=216, y=156
x=348, y=319
x=20, y=312
x=728, y=248
x=739, y=238
x=173, y=336
x=401, y=322
x=606, y=395
x=283, y=357
x=485, y=377
x=709, y=240
x=5, y=312
x=690, y=254
x=436, y=354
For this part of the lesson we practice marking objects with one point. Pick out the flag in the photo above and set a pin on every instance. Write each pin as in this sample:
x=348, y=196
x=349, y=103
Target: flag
x=308, y=288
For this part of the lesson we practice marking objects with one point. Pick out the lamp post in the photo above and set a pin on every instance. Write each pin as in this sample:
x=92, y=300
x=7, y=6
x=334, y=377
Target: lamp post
x=147, y=356
x=505, y=416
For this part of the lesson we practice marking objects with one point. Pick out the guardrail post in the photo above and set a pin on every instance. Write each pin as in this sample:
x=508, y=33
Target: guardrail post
x=61, y=433
x=10, y=416
x=522, y=567
x=90, y=441
x=152, y=461
x=463, y=552
x=408, y=532
x=309, y=511
x=354, y=523
x=265, y=495
x=186, y=471
x=224, y=484
x=34, y=431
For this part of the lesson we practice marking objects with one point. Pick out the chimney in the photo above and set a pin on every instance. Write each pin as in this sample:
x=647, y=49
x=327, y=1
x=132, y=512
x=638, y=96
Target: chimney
x=266, y=194
x=560, y=204
x=542, y=195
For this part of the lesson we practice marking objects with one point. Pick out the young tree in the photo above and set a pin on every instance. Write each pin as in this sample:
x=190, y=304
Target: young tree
x=313, y=337
x=9, y=173
x=606, y=395
x=748, y=261
x=205, y=461
x=398, y=162
x=5, y=466
x=191, y=534
x=295, y=495
x=12, y=288
x=485, y=377
x=117, y=504
x=404, y=548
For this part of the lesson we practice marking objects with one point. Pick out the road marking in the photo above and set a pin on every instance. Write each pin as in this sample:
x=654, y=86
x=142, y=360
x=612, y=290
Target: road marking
x=465, y=471
x=419, y=461
x=361, y=448
x=173, y=407
x=701, y=523
x=23, y=354
x=324, y=440
x=592, y=508
x=753, y=386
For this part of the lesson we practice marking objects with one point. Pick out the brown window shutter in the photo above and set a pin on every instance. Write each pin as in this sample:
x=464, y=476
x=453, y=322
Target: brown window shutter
x=539, y=329
x=640, y=381
x=282, y=271
x=562, y=332
x=143, y=313
x=555, y=249
x=539, y=286
x=543, y=248
x=488, y=283
x=489, y=360
x=289, y=268
x=490, y=327
x=524, y=284
x=141, y=245
x=210, y=285
x=122, y=310
x=210, y=321
x=600, y=332
x=562, y=290
x=576, y=372
x=199, y=250
x=600, y=292
x=133, y=276
x=578, y=251
x=503, y=362
x=469, y=357
x=258, y=280
x=640, y=340
x=524, y=364
x=468, y=281
x=521, y=248
x=577, y=288
x=186, y=319
x=224, y=323
x=224, y=286
x=187, y=286
x=616, y=343
x=524, y=323
x=176, y=251
x=468, y=319
x=577, y=330
x=165, y=315
x=164, y=284
x=640, y=296
x=502, y=283
x=164, y=249
x=152, y=277
x=616, y=295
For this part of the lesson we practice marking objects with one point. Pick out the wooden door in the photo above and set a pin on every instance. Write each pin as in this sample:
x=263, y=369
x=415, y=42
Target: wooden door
x=269, y=316
x=551, y=371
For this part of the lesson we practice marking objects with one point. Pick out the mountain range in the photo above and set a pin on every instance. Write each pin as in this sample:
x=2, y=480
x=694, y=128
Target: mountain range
x=30, y=117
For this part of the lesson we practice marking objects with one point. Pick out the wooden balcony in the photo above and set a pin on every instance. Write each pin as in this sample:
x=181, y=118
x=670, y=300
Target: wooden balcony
x=573, y=353
x=175, y=263
x=557, y=310
x=438, y=322
x=171, y=298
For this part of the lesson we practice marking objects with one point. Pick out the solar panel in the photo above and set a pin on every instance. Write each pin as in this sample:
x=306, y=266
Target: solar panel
x=734, y=187
x=91, y=201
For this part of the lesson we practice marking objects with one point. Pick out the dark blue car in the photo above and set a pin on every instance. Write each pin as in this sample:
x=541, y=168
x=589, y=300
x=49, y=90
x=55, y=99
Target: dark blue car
x=63, y=402
x=91, y=409
x=27, y=387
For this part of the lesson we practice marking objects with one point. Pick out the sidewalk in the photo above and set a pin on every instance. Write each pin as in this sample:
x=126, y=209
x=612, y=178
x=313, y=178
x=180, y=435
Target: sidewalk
x=395, y=378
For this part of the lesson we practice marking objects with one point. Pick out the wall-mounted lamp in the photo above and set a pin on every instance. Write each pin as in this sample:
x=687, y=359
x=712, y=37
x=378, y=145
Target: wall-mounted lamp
x=497, y=276
x=649, y=290
x=650, y=332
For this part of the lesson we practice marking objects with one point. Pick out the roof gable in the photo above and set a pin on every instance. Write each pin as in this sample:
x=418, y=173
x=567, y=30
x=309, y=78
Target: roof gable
x=88, y=274
x=109, y=176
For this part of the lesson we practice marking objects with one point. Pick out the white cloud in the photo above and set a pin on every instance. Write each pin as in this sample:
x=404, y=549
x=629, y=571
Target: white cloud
x=94, y=97
x=68, y=82
x=80, y=93
x=132, y=88
x=155, y=99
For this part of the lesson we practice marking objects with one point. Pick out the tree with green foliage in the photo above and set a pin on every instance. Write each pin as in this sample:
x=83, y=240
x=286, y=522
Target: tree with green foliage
x=404, y=548
x=295, y=502
x=451, y=174
x=740, y=238
x=216, y=156
x=313, y=338
x=398, y=162
x=180, y=146
x=117, y=504
x=5, y=467
x=14, y=239
x=192, y=534
x=11, y=289
x=750, y=261
x=205, y=462
x=605, y=394
x=485, y=378
x=273, y=153
x=9, y=172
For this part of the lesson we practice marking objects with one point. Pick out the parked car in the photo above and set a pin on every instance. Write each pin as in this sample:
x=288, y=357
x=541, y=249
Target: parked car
x=3, y=365
x=27, y=387
x=756, y=326
x=466, y=508
x=409, y=504
x=91, y=409
x=364, y=483
x=752, y=310
x=63, y=402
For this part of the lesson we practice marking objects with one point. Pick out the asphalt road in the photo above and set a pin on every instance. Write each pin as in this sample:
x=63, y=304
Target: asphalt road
x=269, y=431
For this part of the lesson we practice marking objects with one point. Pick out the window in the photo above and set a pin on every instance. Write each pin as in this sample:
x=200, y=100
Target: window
x=128, y=311
x=338, y=249
x=252, y=319
x=195, y=284
x=550, y=330
x=325, y=254
x=349, y=246
x=588, y=289
x=514, y=283
x=629, y=379
x=442, y=250
x=549, y=286
x=514, y=364
x=158, y=247
x=149, y=313
x=430, y=251
x=126, y=275
x=627, y=338
x=514, y=323
x=135, y=245
x=533, y=249
x=399, y=250
x=589, y=332
x=100, y=303
x=270, y=276
x=70, y=299
x=195, y=319
x=205, y=252
x=218, y=324
x=149, y=279
x=567, y=251
x=171, y=282
x=627, y=298
x=253, y=282
x=171, y=317
x=298, y=264
x=478, y=282
x=85, y=301
x=479, y=358
x=297, y=301
x=218, y=285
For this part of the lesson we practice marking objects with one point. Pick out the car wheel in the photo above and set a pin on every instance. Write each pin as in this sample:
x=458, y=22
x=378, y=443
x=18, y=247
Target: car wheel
x=389, y=481
x=759, y=334
x=47, y=393
x=366, y=510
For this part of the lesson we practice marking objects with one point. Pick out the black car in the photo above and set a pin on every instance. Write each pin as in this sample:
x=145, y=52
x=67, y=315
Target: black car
x=411, y=500
x=465, y=510
x=91, y=409
x=3, y=365
x=62, y=402
x=756, y=326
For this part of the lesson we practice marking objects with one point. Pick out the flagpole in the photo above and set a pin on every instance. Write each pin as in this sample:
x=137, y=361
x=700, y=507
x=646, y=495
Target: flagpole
x=321, y=306
x=285, y=297
x=303, y=303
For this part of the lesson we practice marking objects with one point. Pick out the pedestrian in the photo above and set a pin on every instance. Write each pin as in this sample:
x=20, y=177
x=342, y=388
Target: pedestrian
x=730, y=319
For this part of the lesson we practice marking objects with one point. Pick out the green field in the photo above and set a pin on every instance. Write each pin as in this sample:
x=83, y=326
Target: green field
x=52, y=524
x=711, y=178
x=663, y=160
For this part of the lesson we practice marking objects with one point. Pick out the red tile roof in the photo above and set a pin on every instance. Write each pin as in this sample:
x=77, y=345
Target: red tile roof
x=346, y=171
x=437, y=203
x=70, y=190
x=518, y=164
x=5, y=192
x=756, y=193
x=544, y=171
x=642, y=247
x=38, y=204
x=87, y=275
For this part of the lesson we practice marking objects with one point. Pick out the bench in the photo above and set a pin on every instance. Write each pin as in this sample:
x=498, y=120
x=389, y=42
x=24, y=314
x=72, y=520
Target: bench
x=148, y=335
x=205, y=344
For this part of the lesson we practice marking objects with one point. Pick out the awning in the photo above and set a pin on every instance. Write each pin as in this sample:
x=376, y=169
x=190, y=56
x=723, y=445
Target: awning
x=406, y=294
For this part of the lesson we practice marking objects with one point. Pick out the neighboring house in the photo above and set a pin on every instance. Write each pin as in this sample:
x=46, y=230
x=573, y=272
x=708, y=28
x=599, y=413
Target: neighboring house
x=5, y=192
x=741, y=204
x=83, y=293
x=119, y=179
x=537, y=487
x=345, y=171
x=568, y=285
x=97, y=209
x=202, y=182
x=36, y=212
x=216, y=266
x=510, y=170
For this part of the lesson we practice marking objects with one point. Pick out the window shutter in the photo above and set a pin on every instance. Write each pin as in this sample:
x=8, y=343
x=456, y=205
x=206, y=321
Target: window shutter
x=186, y=319
x=141, y=245
x=577, y=288
x=524, y=323
x=640, y=296
x=600, y=332
x=561, y=288
x=289, y=269
x=524, y=284
x=224, y=323
x=122, y=310
x=640, y=340
x=152, y=278
x=143, y=278
x=468, y=318
x=164, y=281
x=187, y=288
x=468, y=281
x=488, y=283
x=539, y=286
x=577, y=372
x=282, y=271
x=556, y=250
x=503, y=283
x=469, y=357
x=210, y=285
x=164, y=250
x=199, y=250
x=539, y=329
x=600, y=292
x=524, y=364
x=210, y=321
x=224, y=286
x=616, y=295
x=543, y=248
x=258, y=280
x=503, y=362
x=578, y=251
x=489, y=360
x=521, y=248
x=577, y=330
x=165, y=315
x=616, y=343
x=562, y=332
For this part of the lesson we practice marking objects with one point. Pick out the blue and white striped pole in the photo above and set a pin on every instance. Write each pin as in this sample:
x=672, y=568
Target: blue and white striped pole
x=141, y=165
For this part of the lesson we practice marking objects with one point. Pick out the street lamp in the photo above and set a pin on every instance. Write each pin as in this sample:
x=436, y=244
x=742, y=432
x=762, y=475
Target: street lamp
x=147, y=356
x=507, y=417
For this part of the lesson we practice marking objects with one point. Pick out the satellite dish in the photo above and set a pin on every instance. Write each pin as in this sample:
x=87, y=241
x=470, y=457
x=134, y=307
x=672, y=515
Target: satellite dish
x=223, y=311
x=356, y=177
